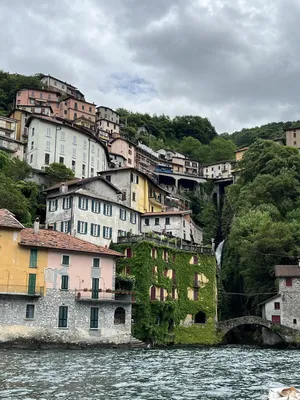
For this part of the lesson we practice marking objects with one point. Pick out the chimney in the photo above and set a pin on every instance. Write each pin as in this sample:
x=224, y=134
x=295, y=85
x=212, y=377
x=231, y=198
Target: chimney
x=36, y=225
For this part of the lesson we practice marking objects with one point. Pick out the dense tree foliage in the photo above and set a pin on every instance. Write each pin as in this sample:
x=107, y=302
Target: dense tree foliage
x=247, y=136
x=10, y=83
x=261, y=221
x=59, y=172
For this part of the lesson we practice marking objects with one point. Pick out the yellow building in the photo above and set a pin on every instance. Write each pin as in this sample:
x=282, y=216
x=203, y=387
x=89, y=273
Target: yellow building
x=22, y=267
x=139, y=191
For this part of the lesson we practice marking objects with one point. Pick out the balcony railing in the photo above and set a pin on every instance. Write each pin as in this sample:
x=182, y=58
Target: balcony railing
x=16, y=290
x=165, y=242
x=100, y=296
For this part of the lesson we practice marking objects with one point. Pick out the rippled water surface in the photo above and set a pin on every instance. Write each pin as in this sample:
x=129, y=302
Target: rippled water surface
x=210, y=373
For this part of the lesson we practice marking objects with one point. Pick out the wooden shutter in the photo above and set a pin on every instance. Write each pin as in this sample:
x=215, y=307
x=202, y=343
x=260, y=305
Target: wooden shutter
x=33, y=258
x=98, y=230
x=31, y=283
x=69, y=226
x=78, y=226
x=87, y=204
x=85, y=227
x=95, y=288
x=63, y=317
x=110, y=233
x=79, y=202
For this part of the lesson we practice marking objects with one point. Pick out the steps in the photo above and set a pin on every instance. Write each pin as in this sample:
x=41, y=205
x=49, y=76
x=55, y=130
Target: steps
x=137, y=344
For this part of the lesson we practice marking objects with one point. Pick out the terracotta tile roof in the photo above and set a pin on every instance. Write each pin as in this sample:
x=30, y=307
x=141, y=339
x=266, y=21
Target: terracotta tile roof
x=153, y=214
x=61, y=241
x=81, y=182
x=8, y=220
x=287, y=271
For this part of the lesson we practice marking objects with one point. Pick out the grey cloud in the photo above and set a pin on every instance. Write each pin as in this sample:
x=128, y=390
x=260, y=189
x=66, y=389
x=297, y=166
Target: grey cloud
x=234, y=62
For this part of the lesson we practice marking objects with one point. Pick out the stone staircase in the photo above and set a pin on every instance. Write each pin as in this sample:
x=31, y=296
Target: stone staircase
x=137, y=344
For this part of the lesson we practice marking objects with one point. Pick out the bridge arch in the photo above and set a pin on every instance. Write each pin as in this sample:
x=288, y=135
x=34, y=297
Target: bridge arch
x=227, y=326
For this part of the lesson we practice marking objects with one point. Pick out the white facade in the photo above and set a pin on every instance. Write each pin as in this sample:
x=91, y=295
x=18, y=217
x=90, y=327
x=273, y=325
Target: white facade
x=272, y=308
x=50, y=142
x=179, y=225
x=218, y=170
x=92, y=212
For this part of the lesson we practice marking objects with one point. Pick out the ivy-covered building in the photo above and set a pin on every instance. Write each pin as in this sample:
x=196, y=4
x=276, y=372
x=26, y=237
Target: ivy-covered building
x=175, y=292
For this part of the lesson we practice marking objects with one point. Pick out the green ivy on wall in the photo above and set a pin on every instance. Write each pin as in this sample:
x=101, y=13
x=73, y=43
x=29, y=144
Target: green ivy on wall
x=160, y=321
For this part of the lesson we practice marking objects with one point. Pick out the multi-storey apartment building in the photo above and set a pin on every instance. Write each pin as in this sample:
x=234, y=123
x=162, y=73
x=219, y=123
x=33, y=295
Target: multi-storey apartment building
x=91, y=209
x=61, y=87
x=57, y=140
x=125, y=149
x=8, y=137
x=60, y=287
x=139, y=191
x=38, y=98
x=218, y=170
x=73, y=109
x=108, y=120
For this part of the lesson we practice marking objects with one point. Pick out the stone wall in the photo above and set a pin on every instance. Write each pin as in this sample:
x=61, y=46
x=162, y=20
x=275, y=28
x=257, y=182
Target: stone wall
x=44, y=325
x=290, y=295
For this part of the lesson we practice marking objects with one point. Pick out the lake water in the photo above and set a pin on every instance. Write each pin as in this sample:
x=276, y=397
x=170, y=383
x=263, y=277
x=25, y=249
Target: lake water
x=193, y=373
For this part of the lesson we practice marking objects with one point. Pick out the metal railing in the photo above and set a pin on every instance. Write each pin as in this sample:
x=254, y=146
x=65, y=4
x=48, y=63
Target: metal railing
x=90, y=295
x=21, y=290
x=165, y=242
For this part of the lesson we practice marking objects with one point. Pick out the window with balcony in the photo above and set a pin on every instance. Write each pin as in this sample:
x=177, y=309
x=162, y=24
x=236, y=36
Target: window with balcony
x=94, y=318
x=95, y=288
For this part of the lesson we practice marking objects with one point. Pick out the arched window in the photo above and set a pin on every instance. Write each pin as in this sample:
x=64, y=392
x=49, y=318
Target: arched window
x=200, y=318
x=119, y=316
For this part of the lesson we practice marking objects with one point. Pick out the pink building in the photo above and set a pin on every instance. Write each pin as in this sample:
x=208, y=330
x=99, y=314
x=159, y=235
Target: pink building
x=73, y=109
x=38, y=97
x=126, y=149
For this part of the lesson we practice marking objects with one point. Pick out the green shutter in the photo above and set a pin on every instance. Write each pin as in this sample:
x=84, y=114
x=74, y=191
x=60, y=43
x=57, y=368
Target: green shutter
x=33, y=258
x=56, y=204
x=98, y=230
x=64, y=203
x=54, y=226
x=79, y=202
x=62, y=226
x=94, y=318
x=110, y=233
x=78, y=226
x=31, y=283
x=92, y=225
x=110, y=210
x=95, y=288
x=69, y=226
x=63, y=317
x=65, y=282
x=104, y=231
x=85, y=227
x=87, y=204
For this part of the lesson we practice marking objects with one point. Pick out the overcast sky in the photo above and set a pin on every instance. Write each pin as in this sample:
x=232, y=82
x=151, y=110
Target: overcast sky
x=234, y=61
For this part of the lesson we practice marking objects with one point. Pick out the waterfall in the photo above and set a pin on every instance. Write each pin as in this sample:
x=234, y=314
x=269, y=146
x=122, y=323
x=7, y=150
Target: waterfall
x=218, y=254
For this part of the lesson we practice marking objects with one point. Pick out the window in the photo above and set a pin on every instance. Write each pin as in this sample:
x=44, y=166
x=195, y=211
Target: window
x=48, y=132
x=32, y=131
x=33, y=258
x=119, y=317
x=48, y=145
x=107, y=232
x=165, y=255
x=32, y=146
x=123, y=196
x=73, y=165
x=63, y=317
x=122, y=214
x=195, y=259
x=73, y=153
x=31, y=158
x=200, y=318
x=294, y=134
x=128, y=253
x=156, y=221
x=66, y=203
x=196, y=293
x=96, y=206
x=82, y=107
x=64, y=282
x=82, y=227
x=65, y=260
x=62, y=135
x=61, y=160
x=55, y=83
x=93, y=148
x=47, y=159
x=133, y=196
x=147, y=221
x=65, y=226
x=167, y=220
x=129, y=161
x=294, y=321
x=107, y=209
x=74, y=140
x=53, y=205
x=107, y=123
x=75, y=115
x=108, y=178
x=95, y=230
x=96, y=262
x=94, y=319
x=62, y=149
x=153, y=293
x=29, y=311
x=276, y=319
x=133, y=218
x=288, y=281
x=75, y=106
x=84, y=144
x=83, y=169
x=90, y=109
x=95, y=288
x=92, y=172
x=295, y=143
x=153, y=253
x=121, y=233
x=92, y=161
x=276, y=305
x=183, y=223
x=83, y=203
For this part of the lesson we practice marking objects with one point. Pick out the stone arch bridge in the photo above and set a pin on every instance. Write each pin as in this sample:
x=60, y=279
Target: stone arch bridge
x=288, y=335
